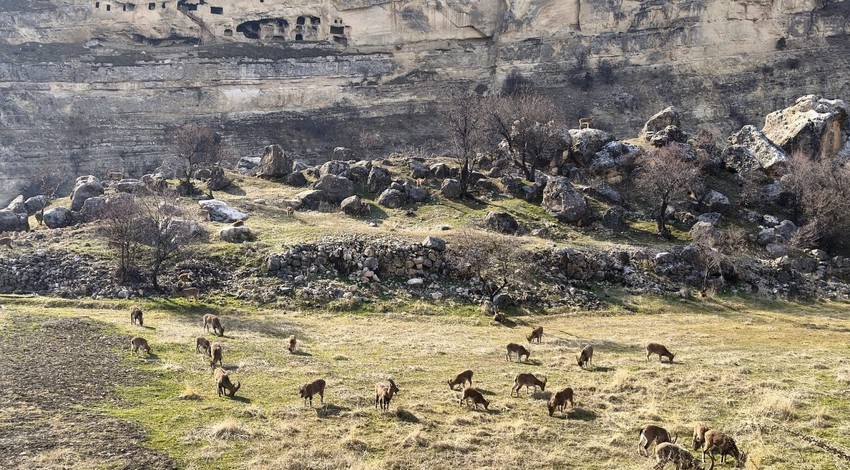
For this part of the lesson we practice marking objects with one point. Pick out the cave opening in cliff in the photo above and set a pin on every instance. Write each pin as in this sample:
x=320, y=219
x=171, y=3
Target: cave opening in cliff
x=217, y=10
x=152, y=6
x=299, y=37
x=97, y=4
x=301, y=20
x=108, y=7
x=228, y=32
x=315, y=21
x=251, y=29
x=130, y=7
x=337, y=29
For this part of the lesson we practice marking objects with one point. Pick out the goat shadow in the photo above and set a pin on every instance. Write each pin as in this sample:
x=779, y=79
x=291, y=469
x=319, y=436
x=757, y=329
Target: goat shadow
x=148, y=328
x=152, y=357
x=533, y=362
x=230, y=367
x=483, y=391
x=244, y=400
x=328, y=410
x=580, y=414
x=538, y=395
x=404, y=415
x=301, y=353
x=599, y=369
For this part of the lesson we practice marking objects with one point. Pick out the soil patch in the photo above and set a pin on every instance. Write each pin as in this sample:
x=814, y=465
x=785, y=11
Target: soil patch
x=53, y=373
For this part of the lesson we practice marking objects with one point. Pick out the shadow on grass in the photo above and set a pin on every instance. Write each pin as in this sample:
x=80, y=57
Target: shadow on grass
x=148, y=328
x=581, y=414
x=230, y=367
x=599, y=369
x=233, y=190
x=406, y=416
x=328, y=410
x=484, y=391
x=537, y=395
x=301, y=353
x=241, y=400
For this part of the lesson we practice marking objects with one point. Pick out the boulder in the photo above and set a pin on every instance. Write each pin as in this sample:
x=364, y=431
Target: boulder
x=816, y=126
x=18, y=206
x=450, y=188
x=487, y=185
x=36, y=203
x=766, y=236
x=343, y=153
x=434, y=243
x=667, y=135
x=84, y=188
x=786, y=229
x=379, y=179
x=248, y=165
x=563, y=201
x=716, y=201
x=296, y=179
x=392, y=198
x=311, y=199
x=665, y=258
x=532, y=193
x=93, y=209
x=217, y=180
x=501, y=222
x=360, y=172
x=237, y=234
x=585, y=143
x=776, y=250
x=712, y=218
x=336, y=188
x=667, y=117
x=274, y=163
x=351, y=205
x=58, y=217
x=221, y=212
x=129, y=185
x=415, y=193
x=604, y=193
x=336, y=168
x=749, y=149
x=440, y=170
x=615, y=219
x=706, y=234
x=10, y=221
x=419, y=170
x=189, y=229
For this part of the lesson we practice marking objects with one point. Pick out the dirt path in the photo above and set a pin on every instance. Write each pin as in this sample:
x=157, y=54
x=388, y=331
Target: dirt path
x=53, y=373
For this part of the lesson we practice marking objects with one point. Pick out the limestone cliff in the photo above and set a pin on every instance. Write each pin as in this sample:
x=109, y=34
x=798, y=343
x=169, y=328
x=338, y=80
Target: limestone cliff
x=95, y=85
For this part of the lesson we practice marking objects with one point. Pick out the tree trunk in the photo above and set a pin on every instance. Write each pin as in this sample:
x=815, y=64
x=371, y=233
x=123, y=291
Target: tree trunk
x=661, y=220
x=464, y=177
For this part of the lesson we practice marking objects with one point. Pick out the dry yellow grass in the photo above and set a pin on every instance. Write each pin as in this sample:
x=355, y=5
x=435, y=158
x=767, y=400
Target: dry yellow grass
x=740, y=368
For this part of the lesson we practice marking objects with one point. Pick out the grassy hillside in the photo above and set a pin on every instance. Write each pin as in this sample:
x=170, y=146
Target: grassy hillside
x=742, y=365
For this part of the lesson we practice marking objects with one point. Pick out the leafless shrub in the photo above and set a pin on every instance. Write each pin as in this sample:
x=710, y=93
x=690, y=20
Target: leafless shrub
x=196, y=146
x=665, y=175
x=466, y=121
x=495, y=262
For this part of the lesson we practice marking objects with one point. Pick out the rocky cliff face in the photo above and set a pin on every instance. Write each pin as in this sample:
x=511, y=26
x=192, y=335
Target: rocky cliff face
x=91, y=86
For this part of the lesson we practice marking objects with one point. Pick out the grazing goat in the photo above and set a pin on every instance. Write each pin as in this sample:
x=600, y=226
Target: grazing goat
x=517, y=349
x=461, y=379
x=559, y=399
x=292, y=342
x=652, y=433
x=290, y=211
x=655, y=348
x=584, y=358
x=585, y=122
x=188, y=292
x=699, y=435
x=184, y=277
x=717, y=441
x=527, y=381
x=365, y=208
x=136, y=316
x=676, y=453
x=216, y=356
x=537, y=334
x=477, y=398
x=384, y=393
x=6, y=241
x=222, y=381
x=139, y=343
x=308, y=390
x=213, y=321
x=420, y=182
x=202, y=343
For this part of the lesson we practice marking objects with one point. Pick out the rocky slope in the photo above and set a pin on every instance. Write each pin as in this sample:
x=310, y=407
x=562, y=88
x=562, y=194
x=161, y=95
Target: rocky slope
x=93, y=86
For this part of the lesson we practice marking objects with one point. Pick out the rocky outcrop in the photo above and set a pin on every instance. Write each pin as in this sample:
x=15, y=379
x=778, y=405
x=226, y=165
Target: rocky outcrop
x=392, y=198
x=237, y=234
x=501, y=222
x=84, y=188
x=813, y=125
x=336, y=188
x=450, y=188
x=750, y=149
x=585, y=143
x=563, y=201
x=669, y=116
x=378, y=180
x=58, y=217
x=18, y=206
x=274, y=163
x=311, y=199
x=351, y=205
x=221, y=212
x=10, y=221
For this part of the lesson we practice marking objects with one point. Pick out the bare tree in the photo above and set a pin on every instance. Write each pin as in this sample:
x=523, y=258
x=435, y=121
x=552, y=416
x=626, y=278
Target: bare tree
x=665, y=175
x=531, y=138
x=120, y=227
x=821, y=189
x=493, y=261
x=466, y=121
x=196, y=146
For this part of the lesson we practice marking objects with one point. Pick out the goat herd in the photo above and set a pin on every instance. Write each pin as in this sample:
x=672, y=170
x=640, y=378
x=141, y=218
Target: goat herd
x=666, y=449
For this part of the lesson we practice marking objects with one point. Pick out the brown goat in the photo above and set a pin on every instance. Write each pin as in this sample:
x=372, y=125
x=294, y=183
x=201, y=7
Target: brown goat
x=585, y=357
x=678, y=454
x=6, y=241
x=292, y=343
x=213, y=321
x=365, y=208
x=222, y=381
x=461, y=379
x=216, y=356
x=136, y=316
x=202, y=343
x=139, y=343
x=517, y=349
x=559, y=399
x=188, y=292
x=652, y=433
x=308, y=390
x=290, y=211
x=585, y=122
x=699, y=435
x=660, y=349
x=527, y=381
x=537, y=334
x=384, y=394
x=719, y=442
x=477, y=398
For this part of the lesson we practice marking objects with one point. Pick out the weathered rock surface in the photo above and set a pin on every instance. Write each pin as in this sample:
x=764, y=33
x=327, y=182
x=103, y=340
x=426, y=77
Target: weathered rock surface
x=351, y=205
x=221, y=212
x=336, y=188
x=18, y=205
x=336, y=168
x=311, y=199
x=237, y=234
x=669, y=116
x=501, y=222
x=84, y=188
x=563, y=201
x=274, y=163
x=392, y=198
x=10, y=221
x=450, y=188
x=750, y=149
x=36, y=203
x=58, y=217
x=379, y=179
x=585, y=143
x=813, y=125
